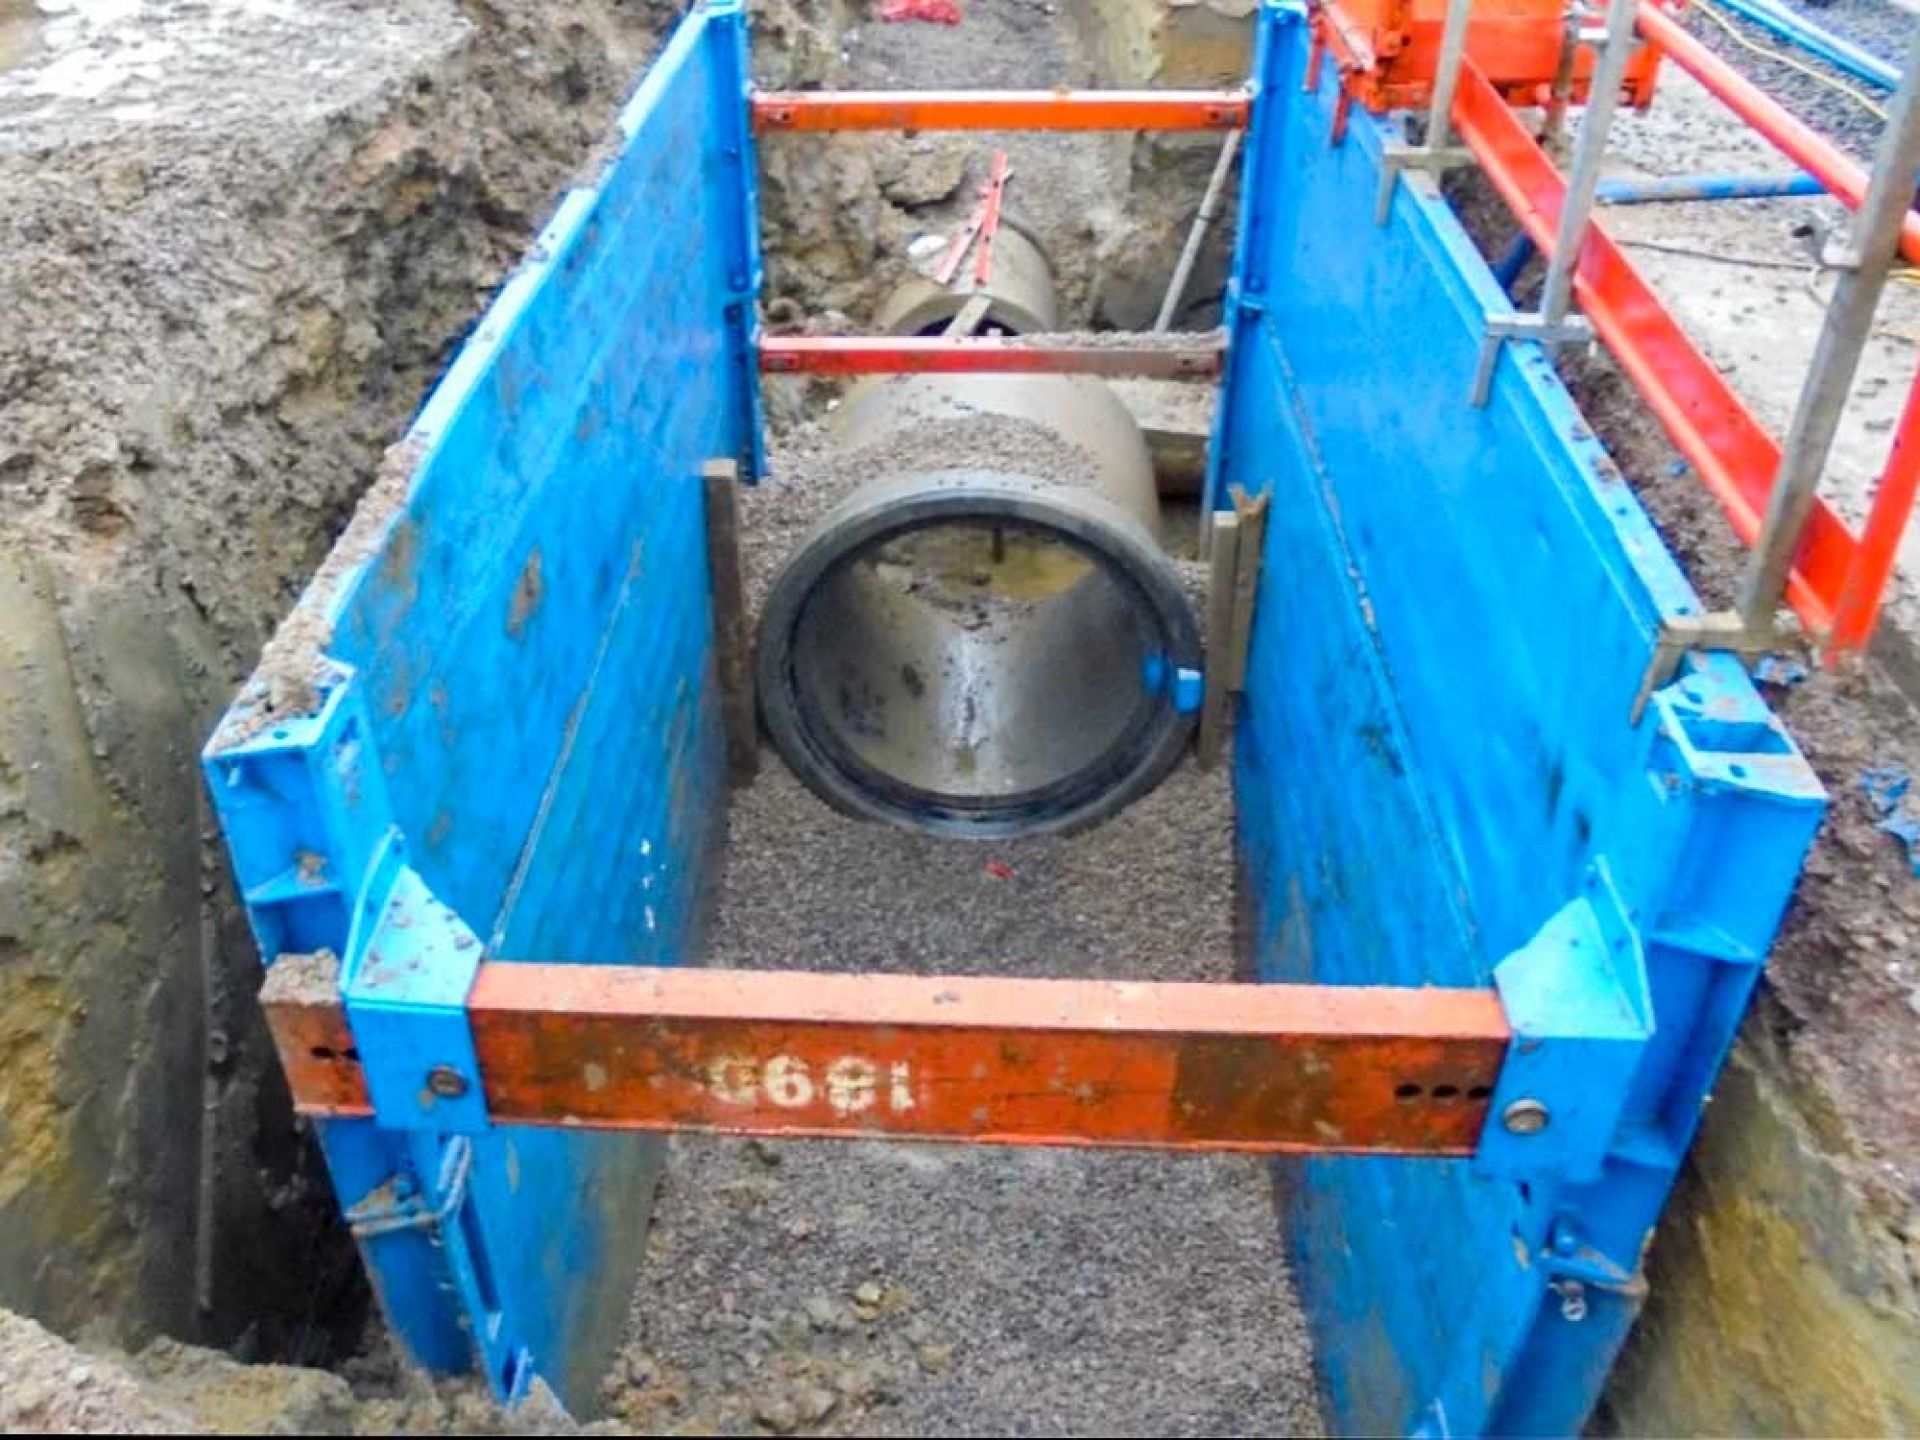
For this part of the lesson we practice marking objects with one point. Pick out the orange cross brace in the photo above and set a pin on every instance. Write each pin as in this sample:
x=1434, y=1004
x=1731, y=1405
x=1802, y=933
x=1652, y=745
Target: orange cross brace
x=915, y=110
x=1263, y=1068
x=1201, y=359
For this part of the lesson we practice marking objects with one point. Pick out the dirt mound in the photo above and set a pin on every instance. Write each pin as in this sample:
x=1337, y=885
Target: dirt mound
x=237, y=243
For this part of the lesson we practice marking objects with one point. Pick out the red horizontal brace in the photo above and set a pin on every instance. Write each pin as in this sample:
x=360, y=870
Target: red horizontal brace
x=1262, y=1068
x=979, y=354
x=1733, y=455
x=914, y=110
x=1845, y=178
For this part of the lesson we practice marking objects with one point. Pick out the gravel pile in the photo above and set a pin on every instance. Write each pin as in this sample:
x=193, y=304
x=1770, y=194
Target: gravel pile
x=1882, y=29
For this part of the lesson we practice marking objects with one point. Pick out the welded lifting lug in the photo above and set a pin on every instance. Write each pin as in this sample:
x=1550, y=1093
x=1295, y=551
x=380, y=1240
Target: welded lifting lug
x=1725, y=630
x=408, y=1211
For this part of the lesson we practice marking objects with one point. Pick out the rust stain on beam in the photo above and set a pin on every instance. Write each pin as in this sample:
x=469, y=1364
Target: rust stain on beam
x=308, y=1021
x=989, y=1060
x=1201, y=358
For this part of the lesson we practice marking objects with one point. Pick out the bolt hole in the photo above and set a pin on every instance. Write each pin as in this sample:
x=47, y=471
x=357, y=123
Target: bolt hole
x=1445, y=1092
x=1739, y=772
x=324, y=1052
x=1409, y=1091
x=352, y=1054
x=1480, y=1092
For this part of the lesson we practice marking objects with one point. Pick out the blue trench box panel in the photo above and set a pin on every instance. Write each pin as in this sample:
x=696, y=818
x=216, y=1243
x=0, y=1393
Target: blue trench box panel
x=491, y=727
x=1439, y=782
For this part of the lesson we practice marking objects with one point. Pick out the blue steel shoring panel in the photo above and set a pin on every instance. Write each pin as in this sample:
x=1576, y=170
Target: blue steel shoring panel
x=518, y=741
x=1435, y=761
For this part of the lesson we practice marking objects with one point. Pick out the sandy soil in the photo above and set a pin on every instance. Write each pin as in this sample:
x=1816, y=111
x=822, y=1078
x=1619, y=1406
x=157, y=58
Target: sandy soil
x=238, y=239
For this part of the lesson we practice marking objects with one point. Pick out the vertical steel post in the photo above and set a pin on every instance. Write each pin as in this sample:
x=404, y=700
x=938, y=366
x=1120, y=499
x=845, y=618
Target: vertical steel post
x=727, y=23
x=1446, y=74
x=1437, y=152
x=1836, y=356
x=1583, y=181
x=1560, y=93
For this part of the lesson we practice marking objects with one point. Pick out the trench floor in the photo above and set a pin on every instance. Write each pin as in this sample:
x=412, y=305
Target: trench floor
x=855, y=1288
x=890, y=1288
x=939, y=1290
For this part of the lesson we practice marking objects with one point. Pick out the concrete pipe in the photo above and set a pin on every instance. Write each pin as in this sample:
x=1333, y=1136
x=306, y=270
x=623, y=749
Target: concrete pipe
x=1020, y=289
x=989, y=645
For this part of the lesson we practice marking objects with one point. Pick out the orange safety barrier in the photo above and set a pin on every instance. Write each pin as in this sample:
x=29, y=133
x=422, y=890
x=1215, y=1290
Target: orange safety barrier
x=1734, y=456
x=1844, y=177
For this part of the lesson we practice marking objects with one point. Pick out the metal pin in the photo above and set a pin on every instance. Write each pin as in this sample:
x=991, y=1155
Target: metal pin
x=1525, y=1117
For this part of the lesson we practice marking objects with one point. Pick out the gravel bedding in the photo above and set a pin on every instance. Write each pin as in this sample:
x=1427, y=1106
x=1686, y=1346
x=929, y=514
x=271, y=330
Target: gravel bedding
x=934, y=1290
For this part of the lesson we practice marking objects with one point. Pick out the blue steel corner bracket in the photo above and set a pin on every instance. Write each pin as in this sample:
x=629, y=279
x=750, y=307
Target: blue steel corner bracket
x=1577, y=1002
x=321, y=867
x=407, y=1005
x=304, y=808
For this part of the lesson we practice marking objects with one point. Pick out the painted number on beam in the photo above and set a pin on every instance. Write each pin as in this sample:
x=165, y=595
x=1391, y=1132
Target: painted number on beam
x=850, y=1085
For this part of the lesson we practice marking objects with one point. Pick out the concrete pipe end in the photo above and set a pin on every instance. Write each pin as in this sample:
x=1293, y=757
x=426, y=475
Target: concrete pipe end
x=972, y=653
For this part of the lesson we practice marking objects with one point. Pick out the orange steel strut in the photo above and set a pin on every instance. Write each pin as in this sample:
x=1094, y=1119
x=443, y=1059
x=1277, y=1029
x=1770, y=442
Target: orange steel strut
x=1261, y=1068
x=1199, y=357
x=999, y=109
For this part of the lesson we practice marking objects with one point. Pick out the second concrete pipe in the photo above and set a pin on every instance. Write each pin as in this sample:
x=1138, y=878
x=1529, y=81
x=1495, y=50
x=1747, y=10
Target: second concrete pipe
x=987, y=648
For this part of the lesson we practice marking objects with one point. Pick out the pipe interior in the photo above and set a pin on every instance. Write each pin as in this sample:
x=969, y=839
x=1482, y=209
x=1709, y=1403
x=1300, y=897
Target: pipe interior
x=975, y=662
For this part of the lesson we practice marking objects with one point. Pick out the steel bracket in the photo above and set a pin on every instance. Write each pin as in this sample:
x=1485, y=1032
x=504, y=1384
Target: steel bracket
x=1570, y=329
x=1725, y=630
x=407, y=1006
x=1434, y=159
x=1577, y=1000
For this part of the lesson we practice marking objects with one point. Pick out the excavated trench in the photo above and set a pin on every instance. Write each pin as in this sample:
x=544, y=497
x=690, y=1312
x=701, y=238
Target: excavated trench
x=238, y=243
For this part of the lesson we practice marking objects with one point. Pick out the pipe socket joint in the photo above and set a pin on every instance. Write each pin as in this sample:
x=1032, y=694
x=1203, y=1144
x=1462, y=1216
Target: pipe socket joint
x=977, y=653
